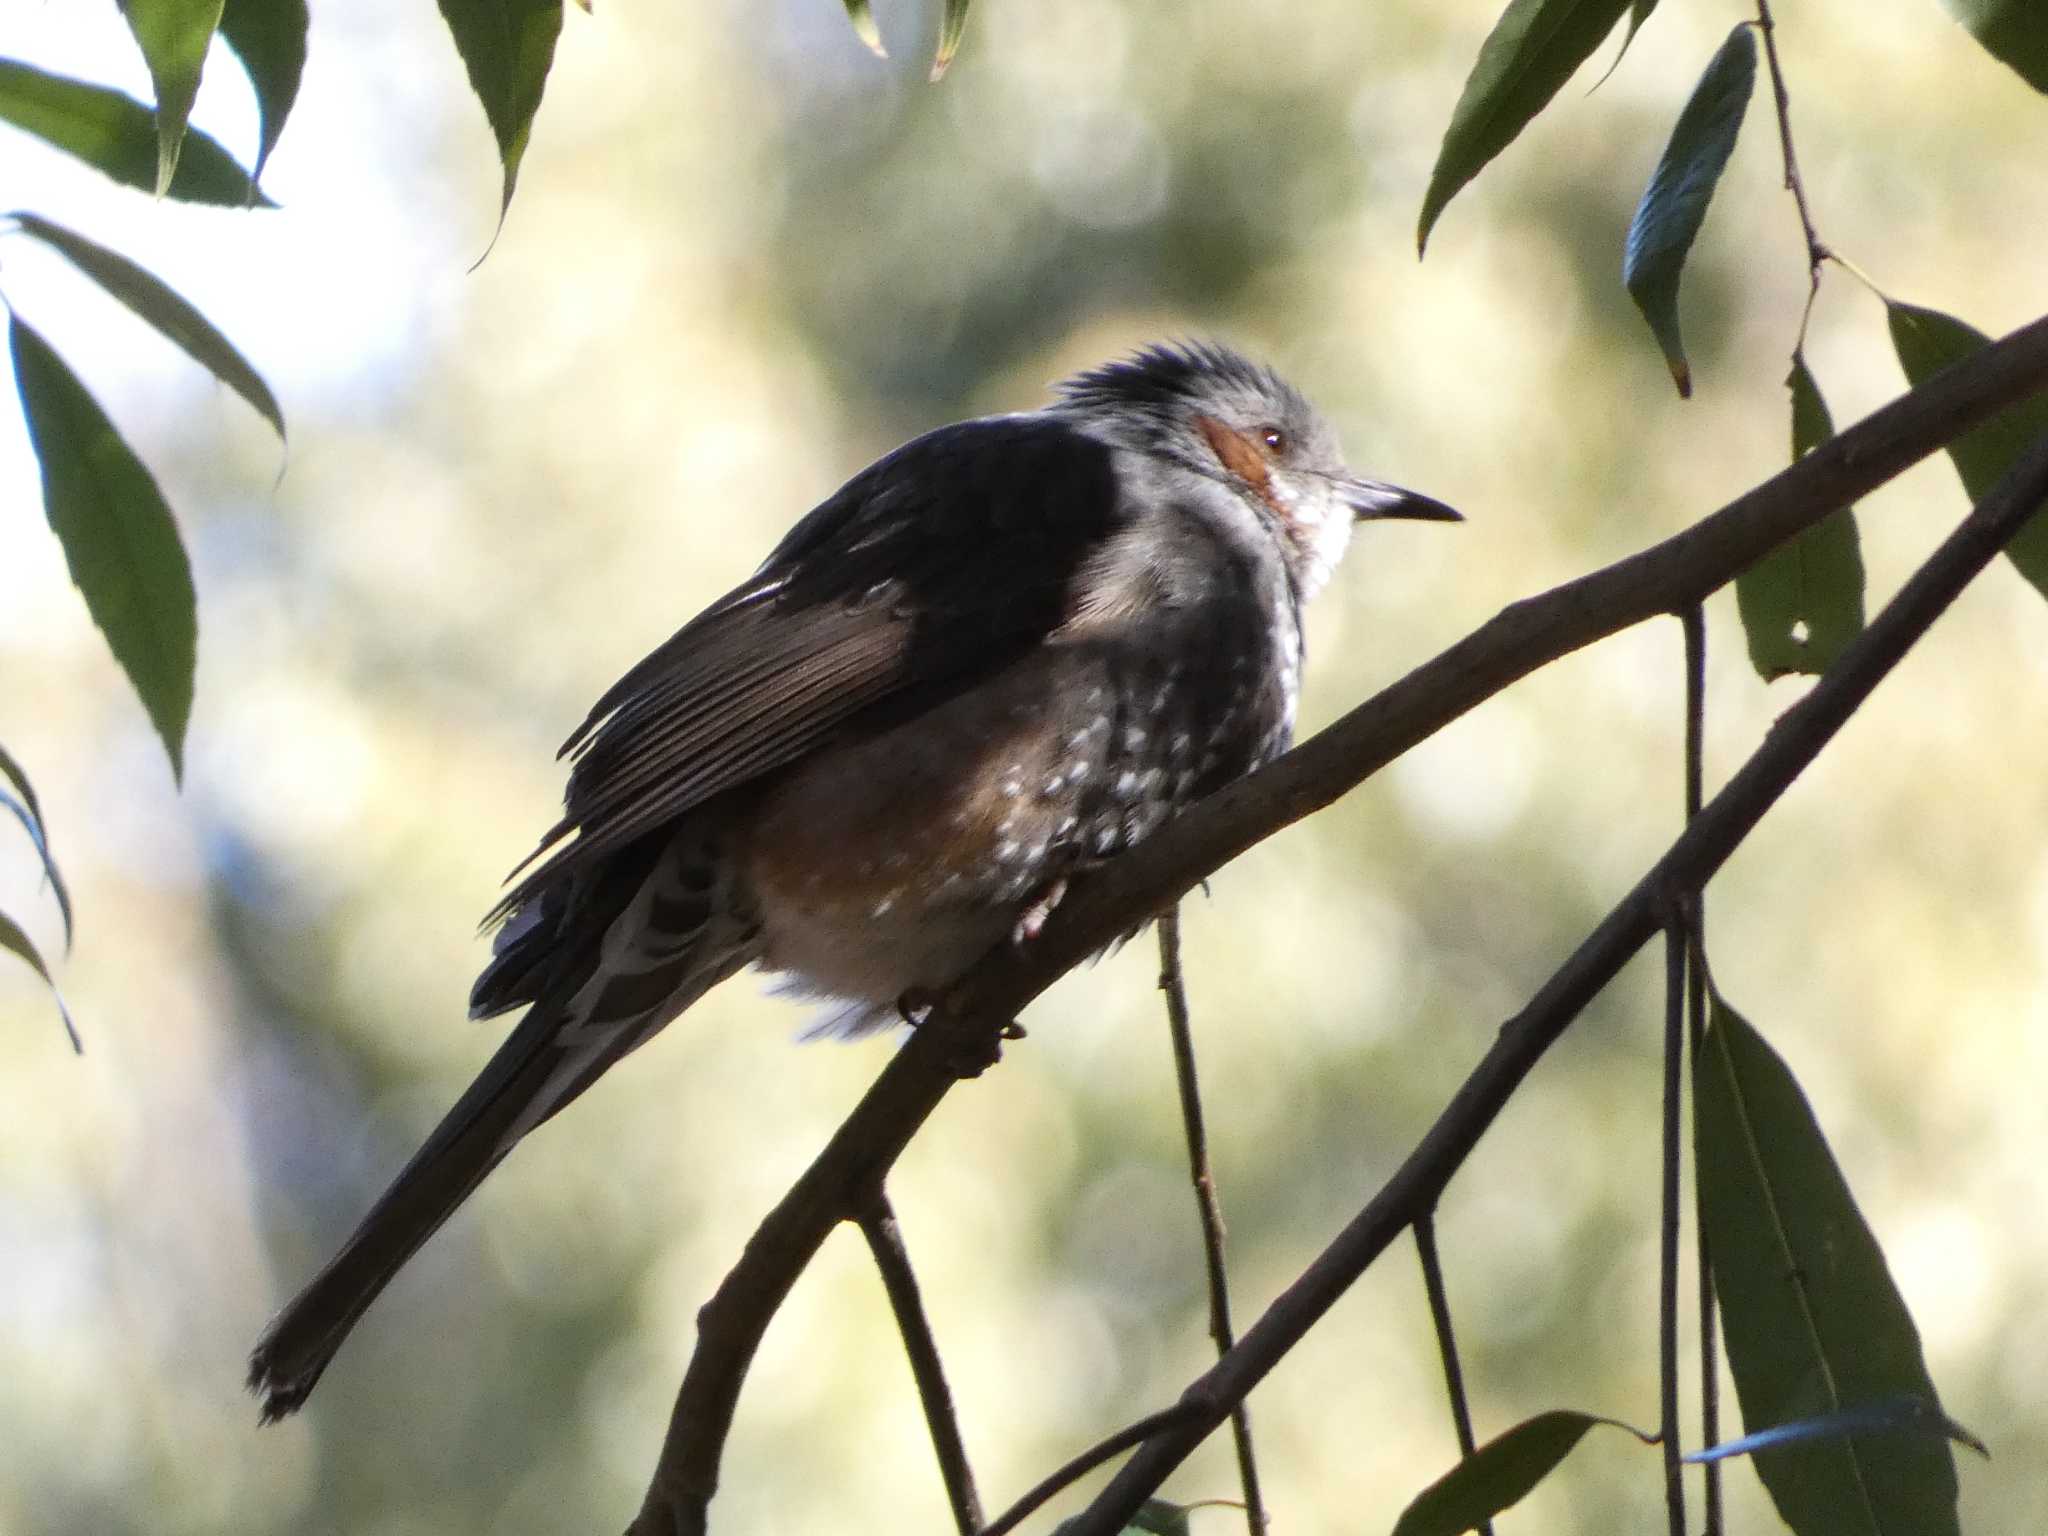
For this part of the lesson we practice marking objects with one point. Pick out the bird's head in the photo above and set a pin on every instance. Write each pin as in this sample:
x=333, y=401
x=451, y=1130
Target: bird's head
x=1213, y=411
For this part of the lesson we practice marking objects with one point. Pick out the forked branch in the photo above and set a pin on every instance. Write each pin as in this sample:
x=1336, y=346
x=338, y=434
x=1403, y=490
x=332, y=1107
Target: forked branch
x=1521, y=639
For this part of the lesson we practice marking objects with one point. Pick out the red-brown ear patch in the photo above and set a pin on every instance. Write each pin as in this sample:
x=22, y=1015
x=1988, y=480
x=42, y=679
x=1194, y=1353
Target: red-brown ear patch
x=1238, y=454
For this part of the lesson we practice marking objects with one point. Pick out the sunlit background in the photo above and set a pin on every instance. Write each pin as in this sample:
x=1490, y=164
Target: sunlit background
x=745, y=257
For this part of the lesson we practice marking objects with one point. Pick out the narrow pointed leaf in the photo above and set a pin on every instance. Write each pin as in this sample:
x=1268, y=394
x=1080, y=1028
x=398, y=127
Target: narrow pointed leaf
x=117, y=136
x=507, y=46
x=1803, y=602
x=269, y=37
x=1638, y=13
x=862, y=16
x=1530, y=53
x=12, y=938
x=1903, y=1414
x=2014, y=31
x=156, y=302
x=1500, y=1473
x=172, y=35
x=1812, y=1319
x=951, y=25
x=1674, y=205
x=1927, y=341
x=28, y=817
x=16, y=775
x=117, y=533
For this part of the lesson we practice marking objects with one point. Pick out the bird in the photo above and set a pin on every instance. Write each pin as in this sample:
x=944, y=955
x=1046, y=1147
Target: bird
x=991, y=661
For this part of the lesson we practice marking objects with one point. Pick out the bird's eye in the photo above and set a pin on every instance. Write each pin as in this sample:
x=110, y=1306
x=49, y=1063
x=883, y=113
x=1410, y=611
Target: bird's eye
x=1274, y=439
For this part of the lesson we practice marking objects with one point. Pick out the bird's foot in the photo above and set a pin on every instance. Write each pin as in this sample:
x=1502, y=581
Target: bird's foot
x=968, y=1057
x=1032, y=923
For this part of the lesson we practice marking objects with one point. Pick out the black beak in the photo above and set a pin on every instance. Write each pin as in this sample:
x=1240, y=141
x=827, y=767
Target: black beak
x=1377, y=499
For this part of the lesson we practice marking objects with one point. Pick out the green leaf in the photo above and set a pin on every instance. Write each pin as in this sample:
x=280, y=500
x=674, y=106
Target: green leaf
x=1902, y=1414
x=16, y=775
x=1500, y=1473
x=123, y=548
x=1803, y=602
x=11, y=937
x=1674, y=204
x=172, y=35
x=2014, y=31
x=1812, y=1319
x=951, y=25
x=151, y=298
x=1532, y=50
x=862, y=15
x=269, y=37
x=31, y=819
x=507, y=46
x=1928, y=341
x=118, y=136
x=1638, y=13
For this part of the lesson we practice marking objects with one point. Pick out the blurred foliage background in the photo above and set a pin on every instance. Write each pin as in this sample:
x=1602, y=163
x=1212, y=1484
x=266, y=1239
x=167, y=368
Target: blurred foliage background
x=745, y=258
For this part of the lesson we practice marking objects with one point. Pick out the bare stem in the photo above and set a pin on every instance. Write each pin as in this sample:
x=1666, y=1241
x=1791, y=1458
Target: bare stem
x=885, y=1242
x=1446, y=1339
x=1208, y=1207
x=1667, y=1248
x=1695, y=621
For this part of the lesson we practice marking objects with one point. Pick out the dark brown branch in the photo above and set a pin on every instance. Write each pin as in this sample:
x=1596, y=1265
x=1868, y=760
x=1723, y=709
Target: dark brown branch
x=1523, y=638
x=1208, y=1208
x=1446, y=1338
x=1691, y=861
x=892, y=1259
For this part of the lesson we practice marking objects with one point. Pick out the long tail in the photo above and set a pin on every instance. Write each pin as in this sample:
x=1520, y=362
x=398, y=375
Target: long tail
x=668, y=946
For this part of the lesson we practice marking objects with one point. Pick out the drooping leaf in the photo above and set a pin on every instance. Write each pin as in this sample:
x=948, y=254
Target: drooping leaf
x=117, y=135
x=862, y=16
x=1904, y=1414
x=1927, y=341
x=507, y=46
x=951, y=25
x=172, y=35
x=32, y=820
x=117, y=533
x=1674, y=204
x=16, y=775
x=12, y=938
x=1530, y=53
x=2015, y=31
x=269, y=37
x=1638, y=13
x=151, y=298
x=1500, y=1473
x=1812, y=1319
x=1803, y=602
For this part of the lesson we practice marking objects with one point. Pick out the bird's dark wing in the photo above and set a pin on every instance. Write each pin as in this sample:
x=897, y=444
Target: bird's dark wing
x=929, y=570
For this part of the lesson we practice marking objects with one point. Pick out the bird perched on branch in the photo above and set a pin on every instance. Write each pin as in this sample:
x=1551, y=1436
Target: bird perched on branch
x=990, y=661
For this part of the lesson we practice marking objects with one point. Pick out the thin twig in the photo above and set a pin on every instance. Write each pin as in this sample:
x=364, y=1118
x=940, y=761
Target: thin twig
x=1446, y=1339
x=1816, y=249
x=1208, y=1208
x=1694, y=620
x=1522, y=639
x=1686, y=866
x=1088, y=1461
x=892, y=1259
x=1667, y=1247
